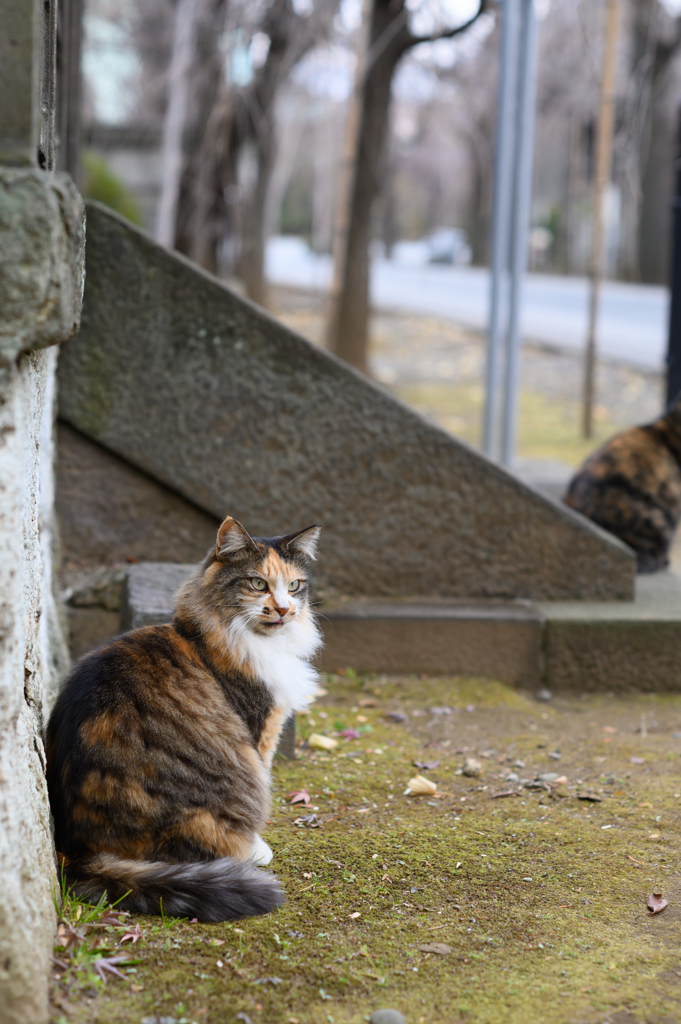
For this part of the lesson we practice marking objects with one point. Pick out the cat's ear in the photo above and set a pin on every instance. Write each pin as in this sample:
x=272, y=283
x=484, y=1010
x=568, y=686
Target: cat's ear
x=303, y=543
x=232, y=538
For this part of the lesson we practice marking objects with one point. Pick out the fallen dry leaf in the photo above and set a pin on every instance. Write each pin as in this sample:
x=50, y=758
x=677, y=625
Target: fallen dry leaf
x=609, y=728
x=505, y=792
x=318, y=742
x=441, y=948
x=636, y=862
x=108, y=964
x=420, y=786
x=307, y=819
x=135, y=934
x=426, y=765
x=299, y=796
x=353, y=917
x=637, y=760
x=349, y=734
x=368, y=702
x=656, y=903
x=654, y=836
x=397, y=716
x=593, y=797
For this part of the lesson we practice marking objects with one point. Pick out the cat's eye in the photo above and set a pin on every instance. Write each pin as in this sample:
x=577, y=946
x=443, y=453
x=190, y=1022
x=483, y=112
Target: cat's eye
x=293, y=586
x=258, y=584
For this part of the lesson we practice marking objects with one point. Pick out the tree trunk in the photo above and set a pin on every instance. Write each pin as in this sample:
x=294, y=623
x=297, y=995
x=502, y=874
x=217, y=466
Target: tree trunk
x=347, y=330
x=174, y=121
x=252, y=261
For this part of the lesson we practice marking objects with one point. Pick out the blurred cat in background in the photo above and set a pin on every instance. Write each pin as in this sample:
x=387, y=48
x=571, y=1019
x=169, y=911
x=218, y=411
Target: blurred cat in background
x=631, y=486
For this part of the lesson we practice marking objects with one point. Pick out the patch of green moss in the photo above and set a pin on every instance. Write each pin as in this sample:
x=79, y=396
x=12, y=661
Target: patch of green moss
x=540, y=897
x=102, y=184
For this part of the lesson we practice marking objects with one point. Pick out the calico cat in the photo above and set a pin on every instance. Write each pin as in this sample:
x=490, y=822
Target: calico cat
x=631, y=486
x=160, y=743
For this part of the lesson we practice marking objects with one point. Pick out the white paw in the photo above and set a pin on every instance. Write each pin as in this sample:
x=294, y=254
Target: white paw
x=262, y=854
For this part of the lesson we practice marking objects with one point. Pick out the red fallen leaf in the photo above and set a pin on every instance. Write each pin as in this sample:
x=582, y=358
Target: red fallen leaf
x=656, y=903
x=132, y=936
x=108, y=964
x=299, y=796
x=116, y=919
x=427, y=765
x=349, y=734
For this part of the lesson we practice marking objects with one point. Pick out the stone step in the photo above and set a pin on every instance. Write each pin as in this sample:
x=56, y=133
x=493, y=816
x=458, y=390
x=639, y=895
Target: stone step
x=567, y=645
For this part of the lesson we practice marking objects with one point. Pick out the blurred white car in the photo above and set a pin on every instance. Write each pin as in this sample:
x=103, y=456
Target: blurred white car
x=449, y=245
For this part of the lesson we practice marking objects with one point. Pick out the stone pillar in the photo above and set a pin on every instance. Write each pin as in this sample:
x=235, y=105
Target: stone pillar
x=41, y=277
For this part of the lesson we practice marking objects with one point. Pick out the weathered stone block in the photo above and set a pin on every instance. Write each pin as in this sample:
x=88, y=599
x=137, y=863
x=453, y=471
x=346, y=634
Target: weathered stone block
x=496, y=640
x=211, y=396
x=27, y=657
x=41, y=259
x=620, y=647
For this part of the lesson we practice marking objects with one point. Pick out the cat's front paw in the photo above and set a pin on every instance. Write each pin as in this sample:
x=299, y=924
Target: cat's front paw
x=262, y=854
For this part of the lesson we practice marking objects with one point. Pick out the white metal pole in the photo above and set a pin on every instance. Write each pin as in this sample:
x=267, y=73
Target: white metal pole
x=502, y=217
x=527, y=104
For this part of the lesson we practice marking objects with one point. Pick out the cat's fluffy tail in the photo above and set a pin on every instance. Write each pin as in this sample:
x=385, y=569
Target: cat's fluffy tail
x=211, y=890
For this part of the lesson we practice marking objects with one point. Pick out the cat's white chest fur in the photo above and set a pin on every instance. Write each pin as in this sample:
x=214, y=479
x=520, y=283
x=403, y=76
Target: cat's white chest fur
x=281, y=661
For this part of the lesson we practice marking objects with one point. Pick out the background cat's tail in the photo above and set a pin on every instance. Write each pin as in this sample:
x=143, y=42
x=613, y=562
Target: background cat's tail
x=211, y=890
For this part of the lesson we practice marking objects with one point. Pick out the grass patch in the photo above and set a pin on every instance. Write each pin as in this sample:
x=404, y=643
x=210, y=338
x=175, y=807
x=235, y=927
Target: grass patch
x=539, y=897
x=548, y=428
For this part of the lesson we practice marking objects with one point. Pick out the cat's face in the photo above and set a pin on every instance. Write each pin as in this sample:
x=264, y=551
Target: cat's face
x=264, y=578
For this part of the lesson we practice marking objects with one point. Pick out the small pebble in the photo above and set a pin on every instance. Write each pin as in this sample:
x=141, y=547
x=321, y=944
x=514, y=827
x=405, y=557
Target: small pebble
x=512, y=777
x=387, y=1017
x=472, y=767
x=554, y=755
x=544, y=695
x=547, y=777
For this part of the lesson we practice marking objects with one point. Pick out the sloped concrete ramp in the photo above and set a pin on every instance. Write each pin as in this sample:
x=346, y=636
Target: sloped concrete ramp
x=212, y=397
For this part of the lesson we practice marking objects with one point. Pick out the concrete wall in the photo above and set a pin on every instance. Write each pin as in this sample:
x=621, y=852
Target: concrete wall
x=212, y=397
x=41, y=259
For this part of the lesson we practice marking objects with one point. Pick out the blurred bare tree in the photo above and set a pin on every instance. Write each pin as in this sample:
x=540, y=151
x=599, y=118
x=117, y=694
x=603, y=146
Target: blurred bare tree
x=226, y=182
x=390, y=36
x=227, y=61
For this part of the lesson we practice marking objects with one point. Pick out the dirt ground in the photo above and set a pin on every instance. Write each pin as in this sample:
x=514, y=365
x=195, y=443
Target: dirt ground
x=497, y=899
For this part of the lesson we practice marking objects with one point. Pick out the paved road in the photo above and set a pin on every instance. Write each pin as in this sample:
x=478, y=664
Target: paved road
x=633, y=321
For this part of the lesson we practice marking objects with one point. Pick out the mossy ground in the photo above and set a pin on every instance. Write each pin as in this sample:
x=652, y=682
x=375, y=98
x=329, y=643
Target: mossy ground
x=541, y=897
